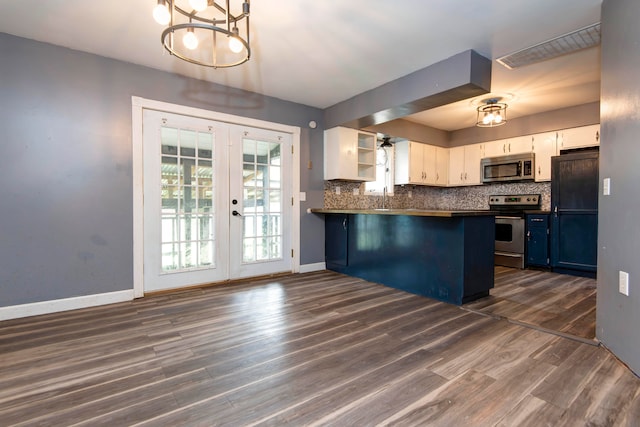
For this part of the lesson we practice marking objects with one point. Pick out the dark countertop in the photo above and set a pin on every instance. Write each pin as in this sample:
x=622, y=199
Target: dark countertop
x=410, y=212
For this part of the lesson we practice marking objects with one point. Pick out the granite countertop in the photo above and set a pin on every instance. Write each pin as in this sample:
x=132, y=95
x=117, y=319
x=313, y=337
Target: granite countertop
x=410, y=212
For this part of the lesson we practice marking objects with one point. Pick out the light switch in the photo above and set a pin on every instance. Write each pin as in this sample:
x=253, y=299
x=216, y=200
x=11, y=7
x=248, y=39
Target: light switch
x=623, y=283
x=337, y=190
x=303, y=196
x=606, y=186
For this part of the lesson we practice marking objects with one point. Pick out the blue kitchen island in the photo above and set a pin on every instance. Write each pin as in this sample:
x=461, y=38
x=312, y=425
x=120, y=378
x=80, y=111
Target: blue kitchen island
x=445, y=255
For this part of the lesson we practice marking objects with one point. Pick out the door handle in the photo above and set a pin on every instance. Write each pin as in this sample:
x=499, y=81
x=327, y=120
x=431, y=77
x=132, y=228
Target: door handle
x=236, y=213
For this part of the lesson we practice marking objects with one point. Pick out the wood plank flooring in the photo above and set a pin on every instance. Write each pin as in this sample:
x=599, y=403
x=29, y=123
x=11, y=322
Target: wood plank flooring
x=550, y=301
x=311, y=349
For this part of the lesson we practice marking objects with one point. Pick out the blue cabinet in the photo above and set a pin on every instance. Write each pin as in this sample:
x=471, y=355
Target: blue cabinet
x=446, y=258
x=336, y=241
x=574, y=213
x=537, y=240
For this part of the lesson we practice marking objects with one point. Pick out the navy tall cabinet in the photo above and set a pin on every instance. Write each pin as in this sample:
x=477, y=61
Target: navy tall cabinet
x=574, y=213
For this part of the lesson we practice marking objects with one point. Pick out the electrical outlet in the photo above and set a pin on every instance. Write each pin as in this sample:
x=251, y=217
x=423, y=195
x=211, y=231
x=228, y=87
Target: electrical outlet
x=337, y=190
x=623, y=283
x=606, y=186
x=410, y=194
x=356, y=191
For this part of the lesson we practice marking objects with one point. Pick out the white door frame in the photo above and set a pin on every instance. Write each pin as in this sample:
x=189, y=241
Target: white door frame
x=138, y=105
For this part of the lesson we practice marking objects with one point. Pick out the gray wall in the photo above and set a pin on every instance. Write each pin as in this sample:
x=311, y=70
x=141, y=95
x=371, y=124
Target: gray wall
x=618, y=316
x=65, y=166
x=412, y=131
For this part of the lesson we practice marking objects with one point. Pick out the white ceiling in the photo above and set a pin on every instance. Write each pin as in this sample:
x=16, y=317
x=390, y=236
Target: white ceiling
x=319, y=53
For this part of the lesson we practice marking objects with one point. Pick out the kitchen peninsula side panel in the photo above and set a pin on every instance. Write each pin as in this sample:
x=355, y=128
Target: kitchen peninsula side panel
x=446, y=258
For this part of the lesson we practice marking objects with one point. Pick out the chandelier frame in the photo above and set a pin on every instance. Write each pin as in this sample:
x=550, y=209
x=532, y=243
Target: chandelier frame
x=215, y=26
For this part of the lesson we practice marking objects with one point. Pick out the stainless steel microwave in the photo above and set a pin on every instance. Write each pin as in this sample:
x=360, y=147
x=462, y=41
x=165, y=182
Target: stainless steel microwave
x=516, y=167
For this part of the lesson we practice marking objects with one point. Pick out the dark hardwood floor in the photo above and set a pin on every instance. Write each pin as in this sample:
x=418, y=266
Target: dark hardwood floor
x=311, y=349
x=548, y=301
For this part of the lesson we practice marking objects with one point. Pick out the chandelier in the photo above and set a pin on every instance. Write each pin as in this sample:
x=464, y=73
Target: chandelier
x=492, y=113
x=205, y=32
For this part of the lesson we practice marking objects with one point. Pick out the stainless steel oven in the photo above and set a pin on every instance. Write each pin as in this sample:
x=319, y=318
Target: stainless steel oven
x=510, y=241
x=510, y=227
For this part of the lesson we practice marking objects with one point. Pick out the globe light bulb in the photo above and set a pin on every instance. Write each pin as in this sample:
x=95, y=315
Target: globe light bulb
x=161, y=13
x=235, y=45
x=486, y=119
x=198, y=5
x=190, y=40
x=498, y=118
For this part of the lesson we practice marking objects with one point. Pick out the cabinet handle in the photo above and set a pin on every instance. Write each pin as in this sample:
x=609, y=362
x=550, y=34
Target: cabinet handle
x=509, y=147
x=539, y=171
x=504, y=148
x=465, y=176
x=555, y=211
x=461, y=176
x=528, y=235
x=344, y=223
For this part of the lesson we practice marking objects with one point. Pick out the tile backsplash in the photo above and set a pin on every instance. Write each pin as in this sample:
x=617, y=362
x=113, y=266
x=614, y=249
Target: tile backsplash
x=423, y=197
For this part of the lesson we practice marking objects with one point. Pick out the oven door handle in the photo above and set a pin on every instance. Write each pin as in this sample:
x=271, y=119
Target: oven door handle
x=508, y=217
x=509, y=254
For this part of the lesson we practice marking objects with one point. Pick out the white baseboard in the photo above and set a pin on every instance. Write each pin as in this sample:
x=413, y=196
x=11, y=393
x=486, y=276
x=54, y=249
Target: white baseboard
x=308, y=268
x=54, y=306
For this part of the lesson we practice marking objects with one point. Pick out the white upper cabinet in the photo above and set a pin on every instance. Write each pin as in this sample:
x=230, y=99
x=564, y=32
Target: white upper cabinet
x=544, y=147
x=580, y=137
x=464, y=165
x=442, y=166
x=505, y=147
x=520, y=144
x=349, y=154
x=420, y=164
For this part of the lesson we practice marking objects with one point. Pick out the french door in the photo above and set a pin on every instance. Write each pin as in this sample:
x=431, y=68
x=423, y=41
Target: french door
x=215, y=207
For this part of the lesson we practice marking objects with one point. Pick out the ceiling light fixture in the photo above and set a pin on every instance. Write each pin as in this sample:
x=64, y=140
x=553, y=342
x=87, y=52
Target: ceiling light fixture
x=492, y=113
x=210, y=33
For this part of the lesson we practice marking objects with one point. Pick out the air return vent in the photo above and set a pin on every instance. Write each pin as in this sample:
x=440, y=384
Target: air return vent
x=577, y=40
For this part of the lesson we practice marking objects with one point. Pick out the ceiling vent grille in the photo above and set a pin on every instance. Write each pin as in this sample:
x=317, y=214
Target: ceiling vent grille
x=577, y=40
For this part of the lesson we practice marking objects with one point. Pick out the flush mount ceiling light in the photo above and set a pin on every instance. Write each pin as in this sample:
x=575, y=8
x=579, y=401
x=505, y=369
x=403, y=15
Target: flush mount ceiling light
x=205, y=32
x=491, y=113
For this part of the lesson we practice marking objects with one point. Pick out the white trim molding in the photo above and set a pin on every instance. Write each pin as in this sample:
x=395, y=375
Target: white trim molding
x=65, y=304
x=308, y=268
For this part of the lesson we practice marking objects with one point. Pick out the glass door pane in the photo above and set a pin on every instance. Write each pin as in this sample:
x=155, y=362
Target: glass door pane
x=187, y=189
x=262, y=201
